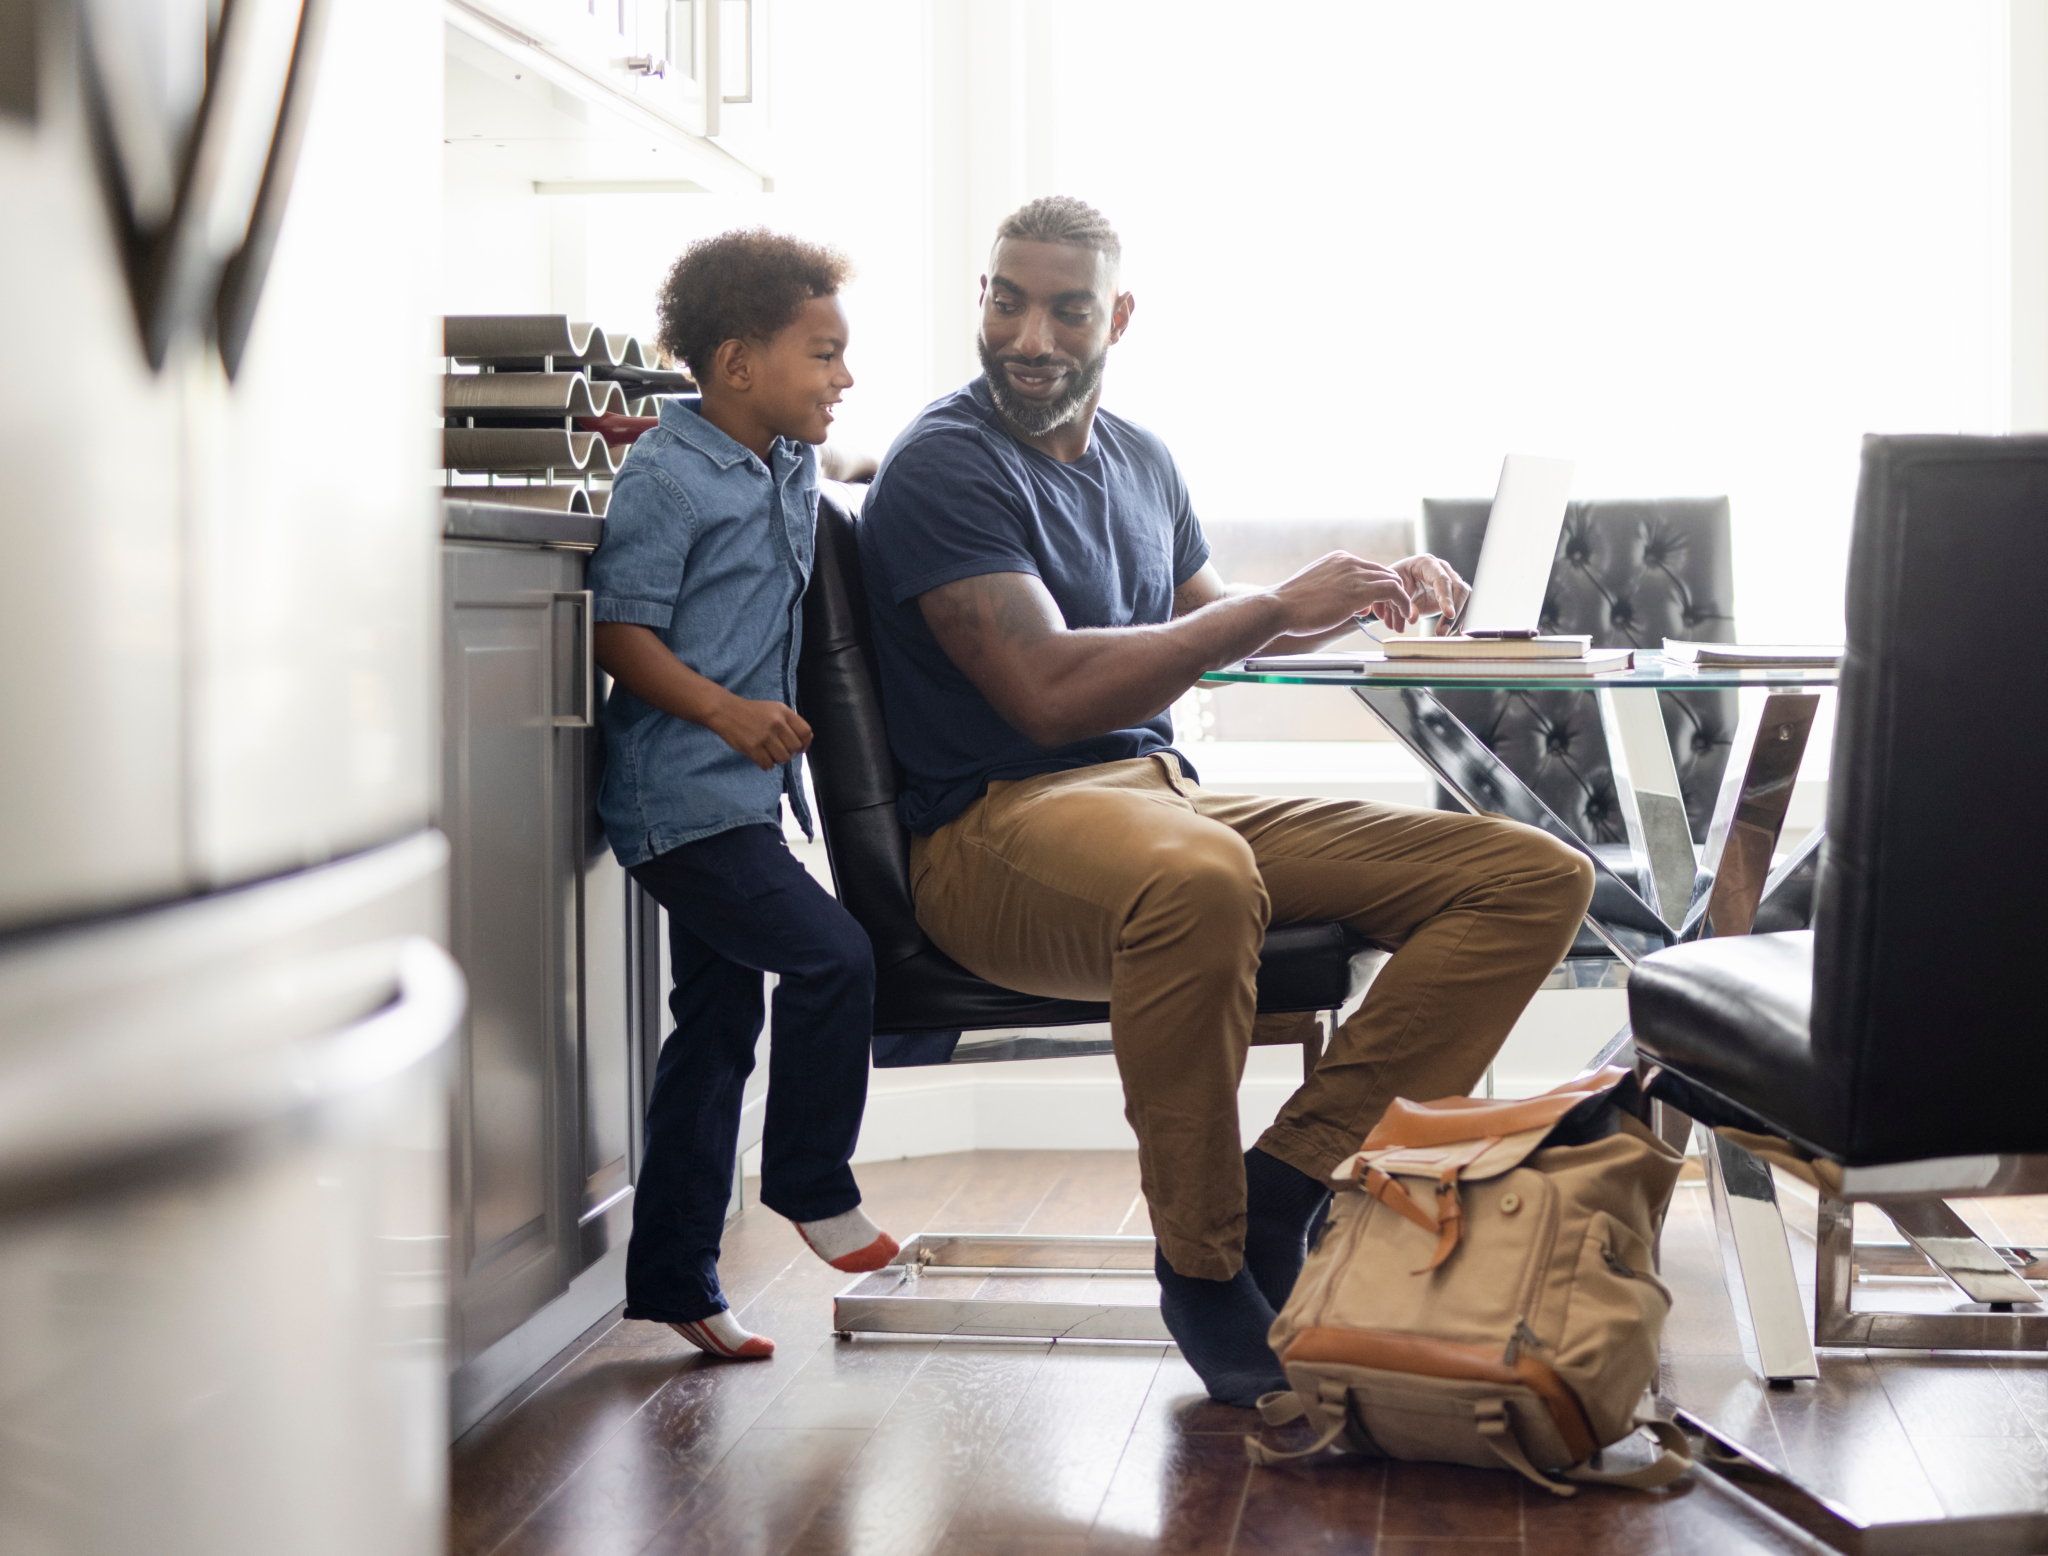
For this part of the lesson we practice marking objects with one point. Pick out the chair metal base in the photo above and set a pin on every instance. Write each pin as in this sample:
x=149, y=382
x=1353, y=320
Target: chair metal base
x=899, y=1298
x=2004, y=1312
x=2005, y=1307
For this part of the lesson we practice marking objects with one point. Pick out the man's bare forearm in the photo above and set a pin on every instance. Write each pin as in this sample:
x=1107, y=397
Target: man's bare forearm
x=1286, y=642
x=1057, y=685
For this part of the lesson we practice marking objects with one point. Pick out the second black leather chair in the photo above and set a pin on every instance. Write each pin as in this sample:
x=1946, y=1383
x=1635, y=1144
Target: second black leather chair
x=1629, y=574
x=1898, y=1037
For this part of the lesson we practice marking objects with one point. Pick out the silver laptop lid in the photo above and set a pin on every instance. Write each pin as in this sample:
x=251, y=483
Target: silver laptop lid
x=1520, y=544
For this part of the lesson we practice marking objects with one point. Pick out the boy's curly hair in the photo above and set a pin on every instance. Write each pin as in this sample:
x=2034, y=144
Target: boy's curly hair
x=743, y=285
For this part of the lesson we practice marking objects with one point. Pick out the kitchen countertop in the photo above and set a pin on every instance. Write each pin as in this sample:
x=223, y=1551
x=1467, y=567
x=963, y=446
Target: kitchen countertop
x=464, y=520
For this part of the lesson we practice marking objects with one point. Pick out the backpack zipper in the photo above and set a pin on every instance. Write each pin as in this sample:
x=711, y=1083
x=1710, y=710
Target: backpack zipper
x=1539, y=1250
x=1520, y=1336
x=1620, y=1266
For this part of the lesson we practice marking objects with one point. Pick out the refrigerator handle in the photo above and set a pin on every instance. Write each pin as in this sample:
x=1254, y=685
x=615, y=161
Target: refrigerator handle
x=584, y=676
x=44, y=1152
x=241, y=281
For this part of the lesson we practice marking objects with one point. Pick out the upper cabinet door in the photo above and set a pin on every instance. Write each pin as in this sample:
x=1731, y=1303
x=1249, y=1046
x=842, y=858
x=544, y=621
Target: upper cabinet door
x=649, y=95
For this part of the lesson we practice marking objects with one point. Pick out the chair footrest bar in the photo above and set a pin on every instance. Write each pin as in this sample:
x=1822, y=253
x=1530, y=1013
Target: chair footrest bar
x=981, y=1250
x=936, y=1285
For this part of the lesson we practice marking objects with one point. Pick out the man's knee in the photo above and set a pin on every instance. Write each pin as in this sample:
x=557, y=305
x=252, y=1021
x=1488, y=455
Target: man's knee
x=1557, y=873
x=1210, y=876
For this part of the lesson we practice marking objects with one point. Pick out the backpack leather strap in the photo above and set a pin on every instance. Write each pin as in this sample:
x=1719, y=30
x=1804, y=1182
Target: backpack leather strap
x=1388, y=1192
x=1450, y=1210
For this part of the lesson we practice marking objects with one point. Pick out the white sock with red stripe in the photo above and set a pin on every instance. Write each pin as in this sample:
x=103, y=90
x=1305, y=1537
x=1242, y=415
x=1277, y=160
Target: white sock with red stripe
x=721, y=1335
x=849, y=1242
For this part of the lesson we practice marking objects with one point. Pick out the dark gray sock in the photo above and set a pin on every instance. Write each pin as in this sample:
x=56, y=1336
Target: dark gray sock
x=1220, y=1327
x=1280, y=1203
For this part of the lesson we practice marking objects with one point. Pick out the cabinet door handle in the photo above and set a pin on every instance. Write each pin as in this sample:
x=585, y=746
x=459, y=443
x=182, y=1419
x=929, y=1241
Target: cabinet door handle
x=585, y=673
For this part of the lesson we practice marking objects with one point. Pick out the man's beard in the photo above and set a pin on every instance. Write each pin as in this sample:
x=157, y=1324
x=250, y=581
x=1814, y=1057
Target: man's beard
x=1034, y=418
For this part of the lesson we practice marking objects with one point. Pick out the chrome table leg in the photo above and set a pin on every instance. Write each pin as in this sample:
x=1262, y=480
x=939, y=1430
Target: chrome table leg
x=1749, y=815
x=1757, y=1261
x=1652, y=806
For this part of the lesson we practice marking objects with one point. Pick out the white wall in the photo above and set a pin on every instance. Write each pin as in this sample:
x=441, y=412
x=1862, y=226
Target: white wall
x=2027, y=104
x=847, y=153
x=1376, y=246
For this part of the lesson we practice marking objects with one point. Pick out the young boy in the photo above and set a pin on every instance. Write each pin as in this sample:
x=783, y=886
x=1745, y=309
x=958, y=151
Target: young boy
x=699, y=587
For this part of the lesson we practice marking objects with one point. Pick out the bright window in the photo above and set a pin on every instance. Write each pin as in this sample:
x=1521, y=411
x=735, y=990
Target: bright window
x=1377, y=246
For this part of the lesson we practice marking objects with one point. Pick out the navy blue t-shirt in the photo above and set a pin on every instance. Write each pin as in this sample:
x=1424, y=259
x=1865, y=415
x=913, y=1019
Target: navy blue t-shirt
x=1111, y=536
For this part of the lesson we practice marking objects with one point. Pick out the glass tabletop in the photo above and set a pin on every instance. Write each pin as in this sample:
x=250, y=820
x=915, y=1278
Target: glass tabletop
x=1652, y=672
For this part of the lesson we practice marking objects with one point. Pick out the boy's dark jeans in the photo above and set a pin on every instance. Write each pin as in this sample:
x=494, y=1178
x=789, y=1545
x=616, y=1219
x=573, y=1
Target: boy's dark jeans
x=739, y=905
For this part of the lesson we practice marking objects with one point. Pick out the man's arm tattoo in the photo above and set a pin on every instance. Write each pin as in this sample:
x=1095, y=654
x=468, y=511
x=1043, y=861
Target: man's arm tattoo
x=989, y=608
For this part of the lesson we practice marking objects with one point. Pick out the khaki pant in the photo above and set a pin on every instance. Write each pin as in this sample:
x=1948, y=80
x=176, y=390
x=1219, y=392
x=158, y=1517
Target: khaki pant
x=1128, y=881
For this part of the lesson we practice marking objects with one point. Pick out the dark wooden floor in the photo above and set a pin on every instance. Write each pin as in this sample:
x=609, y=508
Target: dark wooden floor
x=1891, y=1436
x=636, y=1444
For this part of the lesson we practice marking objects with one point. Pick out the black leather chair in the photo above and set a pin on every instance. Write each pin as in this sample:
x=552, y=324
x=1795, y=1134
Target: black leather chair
x=1630, y=574
x=924, y=1000
x=1905, y=1026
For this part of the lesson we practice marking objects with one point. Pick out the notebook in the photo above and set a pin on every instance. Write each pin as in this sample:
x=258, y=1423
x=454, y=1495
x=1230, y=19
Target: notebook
x=1732, y=656
x=1602, y=661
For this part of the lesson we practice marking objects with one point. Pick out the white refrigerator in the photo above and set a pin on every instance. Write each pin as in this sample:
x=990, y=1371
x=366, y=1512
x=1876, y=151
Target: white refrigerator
x=224, y=999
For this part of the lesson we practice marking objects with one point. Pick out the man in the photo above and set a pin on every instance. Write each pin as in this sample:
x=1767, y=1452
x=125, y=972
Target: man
x=1041, y=594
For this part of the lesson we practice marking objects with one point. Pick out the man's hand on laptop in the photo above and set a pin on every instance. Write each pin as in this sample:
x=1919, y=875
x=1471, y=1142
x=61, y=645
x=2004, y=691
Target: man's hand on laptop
x=1433, y=585
x=1333, y=589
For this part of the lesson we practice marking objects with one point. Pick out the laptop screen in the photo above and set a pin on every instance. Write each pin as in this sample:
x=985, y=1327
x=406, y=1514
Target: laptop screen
x=1521, y=542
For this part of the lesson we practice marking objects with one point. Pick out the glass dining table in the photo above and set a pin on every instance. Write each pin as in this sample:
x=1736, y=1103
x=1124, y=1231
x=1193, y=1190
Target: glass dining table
x=1681, y=890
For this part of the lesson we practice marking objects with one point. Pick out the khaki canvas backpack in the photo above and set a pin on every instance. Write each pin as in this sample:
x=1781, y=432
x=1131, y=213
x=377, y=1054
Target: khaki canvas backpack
x=1482, y=1292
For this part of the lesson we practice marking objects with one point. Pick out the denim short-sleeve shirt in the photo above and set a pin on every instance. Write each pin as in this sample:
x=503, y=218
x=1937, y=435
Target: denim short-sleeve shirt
x=711, y=549
x=1111, y=536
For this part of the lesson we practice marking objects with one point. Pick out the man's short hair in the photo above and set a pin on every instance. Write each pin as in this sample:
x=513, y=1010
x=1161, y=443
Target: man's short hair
x=1063, y=219
x=743, y=285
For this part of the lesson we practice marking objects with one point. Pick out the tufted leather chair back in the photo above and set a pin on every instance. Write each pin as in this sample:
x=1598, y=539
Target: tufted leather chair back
x=1926, y=977
x=1631, y=573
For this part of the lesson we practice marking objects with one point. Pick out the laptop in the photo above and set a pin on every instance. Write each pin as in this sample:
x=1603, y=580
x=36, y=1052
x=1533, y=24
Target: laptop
x=1520, y=545
x=1515, y=555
